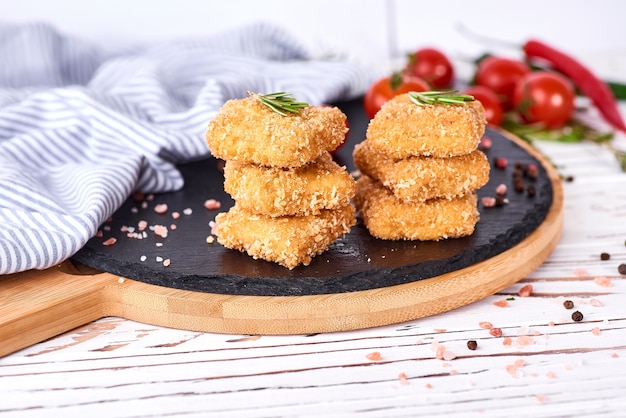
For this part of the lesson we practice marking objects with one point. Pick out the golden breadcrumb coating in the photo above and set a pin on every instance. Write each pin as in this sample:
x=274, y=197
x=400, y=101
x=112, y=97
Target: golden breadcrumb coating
x=416, y=179
x=402, y=129
x=247, y=131
x=288, y=240
x=387, y=217
x=272, y=191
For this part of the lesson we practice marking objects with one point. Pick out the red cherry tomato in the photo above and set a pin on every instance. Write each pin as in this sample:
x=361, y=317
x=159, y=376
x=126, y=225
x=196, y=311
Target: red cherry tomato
x=493, y=108
x=501, y=75
x=387, y=88
x=433, y=66
x=545, y=97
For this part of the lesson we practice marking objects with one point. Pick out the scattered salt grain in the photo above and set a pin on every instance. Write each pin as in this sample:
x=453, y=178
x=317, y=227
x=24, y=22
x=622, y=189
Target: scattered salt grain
x=496, y=332
x=175, y=215
x=166, y=262
x=210, y=239
x=212, y=204
x=373, y=356
x=501, y=303
x=159, y=259
x=160, y=230
x=142, y=225
x=161, y=208
x=595, y=331
x=402, y=379
x=187, y=211
x=143, y=258
x=448, y=355
x=159, y=244
x=596, y=303
x=173, y=227
x=144, y=205
x=488, y=201
x=540, y=398
x=485, y=325
x=109, y=241
x=551, y=375
x=501, y=189
x=120, y=280
x=485, y=143
x=602, y=281
x=99, y=234
x=525, y=291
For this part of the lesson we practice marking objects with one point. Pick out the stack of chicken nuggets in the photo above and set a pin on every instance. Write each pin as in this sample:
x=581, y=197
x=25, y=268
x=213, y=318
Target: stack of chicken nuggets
x=421, y=167
x=292, y=201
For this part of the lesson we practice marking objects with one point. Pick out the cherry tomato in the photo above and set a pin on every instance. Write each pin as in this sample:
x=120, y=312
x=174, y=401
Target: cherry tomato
x=545, y=97
x=501, y=75
x=387, y=88
x=433, y=66
x=493, y=108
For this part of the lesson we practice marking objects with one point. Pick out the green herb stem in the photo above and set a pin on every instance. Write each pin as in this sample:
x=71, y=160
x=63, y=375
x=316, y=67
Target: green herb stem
x=447, y=97
x=282, y=103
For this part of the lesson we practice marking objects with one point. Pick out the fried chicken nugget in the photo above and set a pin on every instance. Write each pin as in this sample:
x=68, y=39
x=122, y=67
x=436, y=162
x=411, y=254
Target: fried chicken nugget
x=429, y=130
x=247, y=131
x=273, y=191
x=287, y=240
x=416, y=179
x=386, y=217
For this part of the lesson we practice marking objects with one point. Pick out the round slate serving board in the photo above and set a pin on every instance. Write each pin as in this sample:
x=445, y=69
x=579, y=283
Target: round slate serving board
x=355, y=262
x=359, y=282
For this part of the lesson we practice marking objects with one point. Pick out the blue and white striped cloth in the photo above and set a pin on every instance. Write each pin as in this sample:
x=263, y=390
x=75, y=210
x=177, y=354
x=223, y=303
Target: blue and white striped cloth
x=81, y=130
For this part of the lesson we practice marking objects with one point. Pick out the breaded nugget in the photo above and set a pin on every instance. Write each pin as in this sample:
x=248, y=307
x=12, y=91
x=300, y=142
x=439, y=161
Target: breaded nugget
x=271, y=191
x=287, y=240
x=416, y=179
x=247, y=131
x=387, y=217
x=402, y=129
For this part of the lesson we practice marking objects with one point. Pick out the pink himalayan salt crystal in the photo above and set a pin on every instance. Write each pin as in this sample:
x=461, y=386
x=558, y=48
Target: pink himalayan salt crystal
x=580, y=273
x=524, y=340
x=501, y=189
x=551, y=375
x=166, y=262
x=595, y=331
x=110, y=241
x=175, y=215
x=488, y=201
x=596, y=303
x=373, y=356
x=507, y=341
x=142, y=225
x=540, y=398
x=502, y=303
x=448, y=355
x=402, y=378
x=485, y=143
x=161, y=208
x=602, y=281
x=525, y=291
x=160, y=230
x=485, y=325
x=440, y=330
x=212, y=204
x=173, y=227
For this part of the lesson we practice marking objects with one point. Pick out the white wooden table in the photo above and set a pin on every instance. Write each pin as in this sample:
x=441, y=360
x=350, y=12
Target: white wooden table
x=543, y=364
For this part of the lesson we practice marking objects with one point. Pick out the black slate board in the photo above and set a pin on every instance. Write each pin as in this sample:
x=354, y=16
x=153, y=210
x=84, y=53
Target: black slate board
x=355, y=262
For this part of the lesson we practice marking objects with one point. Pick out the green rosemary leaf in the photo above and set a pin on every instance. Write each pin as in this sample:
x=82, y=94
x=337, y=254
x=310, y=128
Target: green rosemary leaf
x=282, y=103
x=447, y=97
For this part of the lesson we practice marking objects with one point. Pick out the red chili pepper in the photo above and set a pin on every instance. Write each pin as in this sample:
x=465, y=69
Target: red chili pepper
x=590, y=85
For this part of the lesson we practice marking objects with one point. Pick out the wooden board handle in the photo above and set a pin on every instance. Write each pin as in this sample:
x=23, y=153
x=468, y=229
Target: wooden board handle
x=39, y=304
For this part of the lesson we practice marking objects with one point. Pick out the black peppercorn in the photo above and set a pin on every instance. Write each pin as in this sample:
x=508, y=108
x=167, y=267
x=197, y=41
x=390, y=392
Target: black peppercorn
x=577, y=316
x=621, y=268
x=531, y=190
x=605, y=256
x=568, y=304
x=472, y=345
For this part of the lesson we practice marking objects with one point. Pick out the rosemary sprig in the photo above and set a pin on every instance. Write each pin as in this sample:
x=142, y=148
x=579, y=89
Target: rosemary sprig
x=280, y=102
x=446, y=97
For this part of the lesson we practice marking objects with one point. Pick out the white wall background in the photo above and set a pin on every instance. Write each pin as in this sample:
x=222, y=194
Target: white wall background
x=372, y=31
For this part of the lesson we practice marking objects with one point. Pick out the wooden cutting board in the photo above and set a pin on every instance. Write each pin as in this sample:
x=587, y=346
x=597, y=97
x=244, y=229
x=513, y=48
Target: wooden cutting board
x=361, y=282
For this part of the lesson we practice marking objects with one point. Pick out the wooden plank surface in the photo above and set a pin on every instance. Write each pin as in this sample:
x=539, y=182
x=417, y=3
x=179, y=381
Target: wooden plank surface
x=543, y=364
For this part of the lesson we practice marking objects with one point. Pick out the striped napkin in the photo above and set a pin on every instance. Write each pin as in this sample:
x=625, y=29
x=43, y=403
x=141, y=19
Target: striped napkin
x=81, y=130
